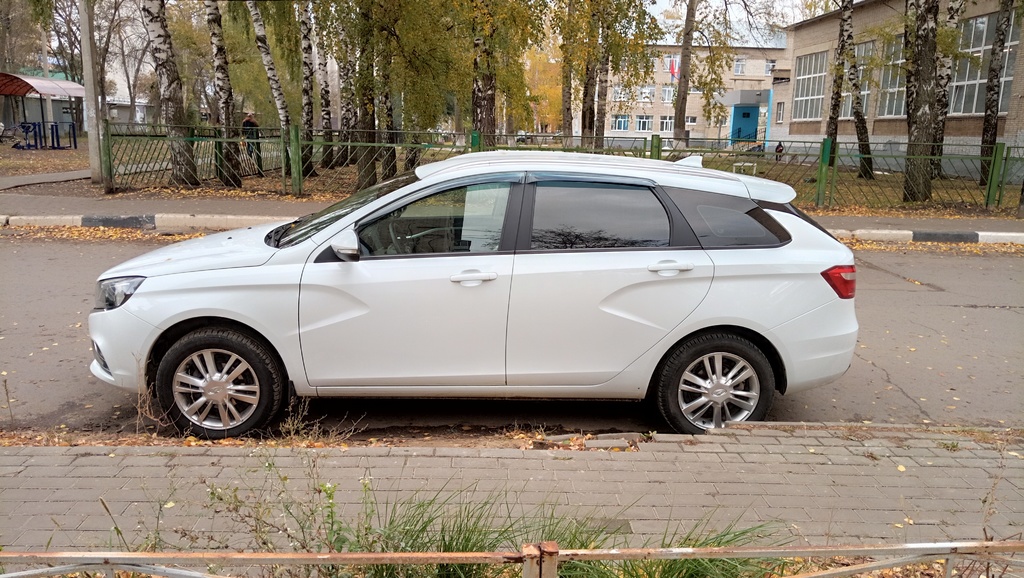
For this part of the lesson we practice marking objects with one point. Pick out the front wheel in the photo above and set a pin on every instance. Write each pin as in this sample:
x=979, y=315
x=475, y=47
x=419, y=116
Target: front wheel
x=218, y=383
x=713, y=380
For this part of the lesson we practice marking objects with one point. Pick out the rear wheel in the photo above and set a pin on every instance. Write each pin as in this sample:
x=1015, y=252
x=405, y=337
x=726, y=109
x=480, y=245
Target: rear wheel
x=218, y=383
x=713, y=380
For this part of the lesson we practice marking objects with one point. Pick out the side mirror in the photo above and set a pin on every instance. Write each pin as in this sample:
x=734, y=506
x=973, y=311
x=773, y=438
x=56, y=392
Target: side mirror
x=346, y=245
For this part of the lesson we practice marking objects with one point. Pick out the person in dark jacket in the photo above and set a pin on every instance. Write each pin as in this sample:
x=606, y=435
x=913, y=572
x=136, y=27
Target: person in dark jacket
x=251, y=132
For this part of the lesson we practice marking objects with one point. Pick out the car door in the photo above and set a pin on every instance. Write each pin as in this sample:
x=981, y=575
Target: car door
x=426, y=303
x=601, y=275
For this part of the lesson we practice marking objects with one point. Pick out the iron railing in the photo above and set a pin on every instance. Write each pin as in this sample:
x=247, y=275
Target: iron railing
x=332, y=163
x=537, y=560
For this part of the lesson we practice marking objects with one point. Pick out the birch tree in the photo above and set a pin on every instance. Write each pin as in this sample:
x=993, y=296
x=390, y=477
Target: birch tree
x=327, y=158
x=948, y=42
x=919, y=45
x=846, y=69
x=231, y=171
x=263, y=45
x=183, y=164
x=306, y=39
x=993, y=85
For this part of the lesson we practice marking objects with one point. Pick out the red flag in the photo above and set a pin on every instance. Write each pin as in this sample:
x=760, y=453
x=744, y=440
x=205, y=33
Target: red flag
x=672, y=68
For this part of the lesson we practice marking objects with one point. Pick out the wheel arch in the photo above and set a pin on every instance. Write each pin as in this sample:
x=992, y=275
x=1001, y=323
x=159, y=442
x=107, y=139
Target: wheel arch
x=175, y=332
x=762, y=343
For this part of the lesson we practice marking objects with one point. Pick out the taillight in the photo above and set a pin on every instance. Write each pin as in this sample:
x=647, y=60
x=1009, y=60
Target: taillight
x=842, y=279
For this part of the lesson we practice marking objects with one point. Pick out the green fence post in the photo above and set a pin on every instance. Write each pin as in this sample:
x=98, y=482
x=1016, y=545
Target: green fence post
x=822, y=182
x=106, y=158
x=474, y=141
x=994, y=172
x=656, y=147
x=296, y=159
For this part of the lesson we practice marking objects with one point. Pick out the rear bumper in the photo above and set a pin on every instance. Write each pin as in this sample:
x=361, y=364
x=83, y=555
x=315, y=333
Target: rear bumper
x=819, y=345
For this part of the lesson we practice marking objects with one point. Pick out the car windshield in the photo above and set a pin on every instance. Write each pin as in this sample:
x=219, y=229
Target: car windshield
x=305, y=227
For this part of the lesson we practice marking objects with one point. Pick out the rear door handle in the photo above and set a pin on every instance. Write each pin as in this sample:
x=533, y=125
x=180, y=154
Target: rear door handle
x=473, y=278
x=669, y=268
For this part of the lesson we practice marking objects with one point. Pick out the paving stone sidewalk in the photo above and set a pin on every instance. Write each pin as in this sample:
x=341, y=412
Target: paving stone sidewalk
x=817, y=484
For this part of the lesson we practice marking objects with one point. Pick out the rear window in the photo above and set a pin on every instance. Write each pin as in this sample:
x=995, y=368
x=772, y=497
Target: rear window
x=721, y=221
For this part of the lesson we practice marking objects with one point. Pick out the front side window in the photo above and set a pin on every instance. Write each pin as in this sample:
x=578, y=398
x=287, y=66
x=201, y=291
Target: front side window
x=892, y=82
x=809, y=90
x=620, y=122
x=862, y=54
x=967, y=89
x=722, y=221
x=465, y=219
x=644, y=123
x=577, y=215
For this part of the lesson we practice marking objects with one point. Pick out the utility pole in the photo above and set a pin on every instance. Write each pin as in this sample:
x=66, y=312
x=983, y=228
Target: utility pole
x=92, y=117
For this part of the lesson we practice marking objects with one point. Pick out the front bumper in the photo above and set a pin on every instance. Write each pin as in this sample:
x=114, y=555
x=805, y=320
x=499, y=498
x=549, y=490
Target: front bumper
x=121, y=345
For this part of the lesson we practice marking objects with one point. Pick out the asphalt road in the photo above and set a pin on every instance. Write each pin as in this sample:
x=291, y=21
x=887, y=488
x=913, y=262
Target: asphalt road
x=941, y=342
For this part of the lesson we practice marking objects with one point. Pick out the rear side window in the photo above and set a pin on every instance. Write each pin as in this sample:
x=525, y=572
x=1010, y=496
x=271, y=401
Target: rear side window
x=726, y=221
x=576, y=215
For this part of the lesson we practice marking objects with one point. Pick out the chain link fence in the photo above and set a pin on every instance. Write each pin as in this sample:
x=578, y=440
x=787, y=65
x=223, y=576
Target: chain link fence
x=333, y=163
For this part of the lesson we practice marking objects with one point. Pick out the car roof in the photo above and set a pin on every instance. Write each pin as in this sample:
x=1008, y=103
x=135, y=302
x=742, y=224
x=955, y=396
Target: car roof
x=682, y=174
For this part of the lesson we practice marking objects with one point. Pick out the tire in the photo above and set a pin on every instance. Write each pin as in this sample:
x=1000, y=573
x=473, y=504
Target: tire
x=202, y=402
x=697, y=389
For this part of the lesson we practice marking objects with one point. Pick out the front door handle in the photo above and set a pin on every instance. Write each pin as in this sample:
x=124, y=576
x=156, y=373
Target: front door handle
x=473, y=278
x=669, y=268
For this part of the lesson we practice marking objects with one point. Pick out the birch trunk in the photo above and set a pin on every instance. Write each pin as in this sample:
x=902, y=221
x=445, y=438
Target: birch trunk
x=347, y=109
x=567, y=64
x=327, y=159
x=990, y=126
x=836, y=96
x=260, y=31
x=183, y=163
x=484, y=82
x=922, y=28
x=866, y=165
x=388, y=155
x=364, y=85
x=588, y=114
x=943, y=76
x=601, y=117
x=306, y=46
x=685, y=58
x=231, y=166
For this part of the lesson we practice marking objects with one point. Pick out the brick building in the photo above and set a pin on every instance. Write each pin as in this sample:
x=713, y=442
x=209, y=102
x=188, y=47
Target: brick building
x=649, y=109
x=801, y=94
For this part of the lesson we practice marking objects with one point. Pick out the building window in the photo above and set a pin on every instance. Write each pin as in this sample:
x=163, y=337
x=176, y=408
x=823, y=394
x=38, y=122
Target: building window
x=620, y=122
x=809, y=90
x=672, y=65
x=769, y=67
x=739, y=66
x=620, y=93
x=967, y=89
x=691, y=120
x=780, y=112
x=862, y=54
x=668, y=123
x=668, y=93
x=694, y=88
x=647, y=93
x=644, y=123
x=892, y=82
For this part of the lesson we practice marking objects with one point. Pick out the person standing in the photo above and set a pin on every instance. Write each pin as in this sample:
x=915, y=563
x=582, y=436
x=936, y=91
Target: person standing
x=251, y=132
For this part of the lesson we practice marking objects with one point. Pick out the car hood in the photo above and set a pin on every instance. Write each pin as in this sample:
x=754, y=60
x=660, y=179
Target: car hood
x=227, y=250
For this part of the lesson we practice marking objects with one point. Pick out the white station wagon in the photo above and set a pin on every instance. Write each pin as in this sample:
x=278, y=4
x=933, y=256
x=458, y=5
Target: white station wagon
x=493, y=275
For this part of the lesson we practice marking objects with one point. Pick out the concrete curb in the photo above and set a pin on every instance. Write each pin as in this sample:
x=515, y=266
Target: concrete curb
x=227, y=222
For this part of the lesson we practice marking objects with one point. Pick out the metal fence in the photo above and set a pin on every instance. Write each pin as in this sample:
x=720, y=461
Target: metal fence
x=537, y=560
x=330, y=163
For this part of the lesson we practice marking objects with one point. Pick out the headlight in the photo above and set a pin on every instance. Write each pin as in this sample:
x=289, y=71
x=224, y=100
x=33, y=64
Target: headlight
x=112, y=293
